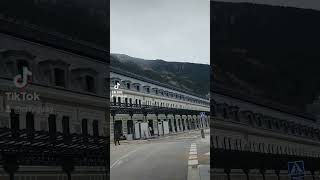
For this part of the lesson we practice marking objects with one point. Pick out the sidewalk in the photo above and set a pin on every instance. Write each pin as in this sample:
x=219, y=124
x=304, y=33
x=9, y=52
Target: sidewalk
x=154, y=138
x=199, y=164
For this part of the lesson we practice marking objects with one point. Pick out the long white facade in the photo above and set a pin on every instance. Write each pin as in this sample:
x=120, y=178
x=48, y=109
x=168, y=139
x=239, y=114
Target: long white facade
x=71, y=99
x=139, y=92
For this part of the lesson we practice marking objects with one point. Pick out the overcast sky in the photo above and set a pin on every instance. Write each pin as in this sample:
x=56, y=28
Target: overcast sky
x=309, y=4
x=172, y=30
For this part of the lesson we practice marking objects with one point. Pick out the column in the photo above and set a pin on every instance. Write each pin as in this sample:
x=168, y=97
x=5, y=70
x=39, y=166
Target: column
x=172, y=126
x=111, y=129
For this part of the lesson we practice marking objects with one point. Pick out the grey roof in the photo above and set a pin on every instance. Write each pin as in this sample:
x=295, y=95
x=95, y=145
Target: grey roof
x=218, y=89
x=53, y=39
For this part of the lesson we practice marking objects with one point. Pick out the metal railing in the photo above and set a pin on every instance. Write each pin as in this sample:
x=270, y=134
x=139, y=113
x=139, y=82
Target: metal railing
x=116, y=107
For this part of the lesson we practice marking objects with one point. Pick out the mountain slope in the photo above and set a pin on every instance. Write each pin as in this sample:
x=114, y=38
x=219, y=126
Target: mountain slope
x=187, y=76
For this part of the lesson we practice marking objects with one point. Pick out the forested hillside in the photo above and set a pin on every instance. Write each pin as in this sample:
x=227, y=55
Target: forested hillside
x=187, y=76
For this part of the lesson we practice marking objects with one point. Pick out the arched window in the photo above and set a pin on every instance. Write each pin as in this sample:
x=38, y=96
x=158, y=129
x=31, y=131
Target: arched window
x=225, y=114
x=65, y=125
x=119, y=101
x=22, y=64
x=126, y=101
x=59, y=77
x=116, y=82
x=114, y=101
x=14, y=117
x=95, y=128
x=90, y=83
x=30, y=122
x=52, y=123
x=84, y=126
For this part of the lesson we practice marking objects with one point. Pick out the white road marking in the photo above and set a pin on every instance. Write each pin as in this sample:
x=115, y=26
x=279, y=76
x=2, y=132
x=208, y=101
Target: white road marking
x=119, y=161
x=193, y=155
x=193, y=150
x=193, y=162
x=208, y=154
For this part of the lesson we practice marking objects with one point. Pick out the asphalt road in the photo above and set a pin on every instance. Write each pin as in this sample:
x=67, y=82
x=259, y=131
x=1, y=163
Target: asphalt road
x=161, y=159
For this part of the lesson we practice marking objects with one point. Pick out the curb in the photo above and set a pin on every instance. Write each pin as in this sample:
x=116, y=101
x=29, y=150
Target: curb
x=140, y=141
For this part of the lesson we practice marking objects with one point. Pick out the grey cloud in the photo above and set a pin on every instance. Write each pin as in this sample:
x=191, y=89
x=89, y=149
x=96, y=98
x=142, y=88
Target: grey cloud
x=172, y=30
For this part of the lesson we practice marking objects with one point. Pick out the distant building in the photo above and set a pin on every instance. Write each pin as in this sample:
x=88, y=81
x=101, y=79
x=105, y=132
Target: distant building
x=314, y=108
x=140, y=103
x=61, y=131
x=254, y=137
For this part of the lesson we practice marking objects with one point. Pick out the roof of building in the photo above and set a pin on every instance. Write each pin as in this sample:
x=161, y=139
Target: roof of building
x=141, y=78
x=219, y=89
x=57, y=40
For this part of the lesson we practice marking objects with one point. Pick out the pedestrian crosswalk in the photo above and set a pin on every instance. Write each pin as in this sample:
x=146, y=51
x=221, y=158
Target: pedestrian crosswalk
x=193, y=155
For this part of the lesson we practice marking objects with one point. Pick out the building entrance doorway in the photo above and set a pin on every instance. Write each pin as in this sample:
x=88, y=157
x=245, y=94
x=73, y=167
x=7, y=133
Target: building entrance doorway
x=130, y=129
x=193, y=124
x=170, y=126
x=165, y=126
x=118, y=128
x=137, y=130
x=150, y=127
x=160, y=128
x=175, y=125
x=183, y=125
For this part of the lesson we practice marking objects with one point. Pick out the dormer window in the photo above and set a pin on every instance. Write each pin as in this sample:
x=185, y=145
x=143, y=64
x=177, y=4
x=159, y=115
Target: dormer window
x=22, y=64
x=59, y=77
x=14, y=61
x=136, y=86
x=114, y=81
x=147, y=89
x=127, y=84
x=54, y=72
x=89, y=83
x=84, y=79
x=155, y=90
